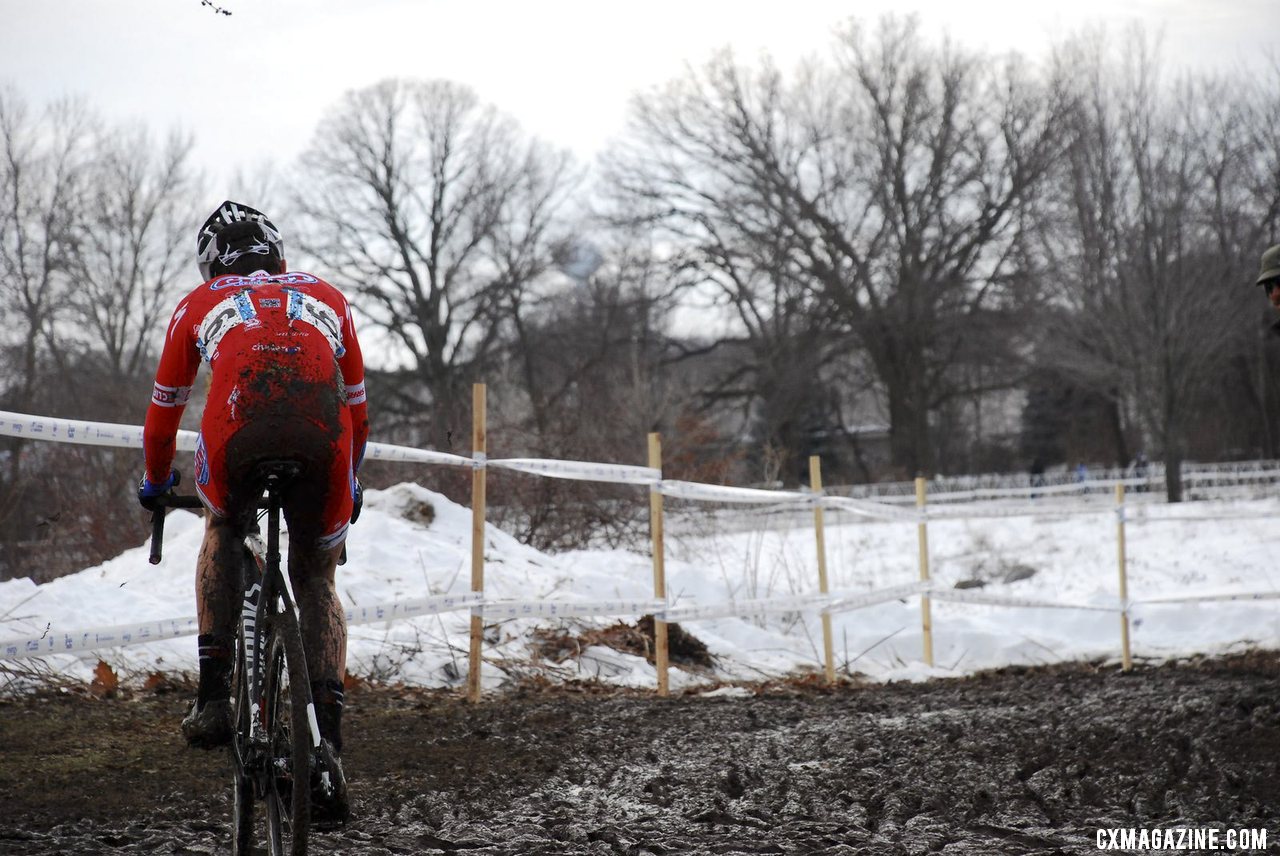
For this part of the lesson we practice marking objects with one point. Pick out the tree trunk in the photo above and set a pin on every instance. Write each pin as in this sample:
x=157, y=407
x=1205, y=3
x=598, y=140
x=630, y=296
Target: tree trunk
x=909, y=429
x=1173, y=475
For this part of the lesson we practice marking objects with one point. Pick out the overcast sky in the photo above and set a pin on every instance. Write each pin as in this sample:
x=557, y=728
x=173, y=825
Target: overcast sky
x=255, y=84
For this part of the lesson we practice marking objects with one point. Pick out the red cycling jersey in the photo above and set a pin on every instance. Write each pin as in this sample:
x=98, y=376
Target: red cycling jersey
x=282, y=344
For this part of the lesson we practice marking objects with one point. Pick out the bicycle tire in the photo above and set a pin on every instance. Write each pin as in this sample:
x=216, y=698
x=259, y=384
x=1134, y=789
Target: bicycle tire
x=288, y=791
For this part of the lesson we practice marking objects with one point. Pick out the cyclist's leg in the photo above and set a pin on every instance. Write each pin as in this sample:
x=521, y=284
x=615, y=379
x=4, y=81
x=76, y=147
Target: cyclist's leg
x=324, y=631
x=217, y=605
x=319, y=512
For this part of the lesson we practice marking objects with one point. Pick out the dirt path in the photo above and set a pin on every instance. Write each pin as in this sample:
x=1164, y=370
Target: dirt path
x=1016, y=761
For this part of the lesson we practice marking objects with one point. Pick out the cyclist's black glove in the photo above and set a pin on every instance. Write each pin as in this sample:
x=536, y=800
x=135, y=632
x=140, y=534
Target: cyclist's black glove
x=149, y=494
x=357, y=501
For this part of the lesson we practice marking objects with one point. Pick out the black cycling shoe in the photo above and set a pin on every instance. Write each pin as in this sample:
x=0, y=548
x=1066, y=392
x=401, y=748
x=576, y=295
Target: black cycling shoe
x=330, y=807
x=210, y=726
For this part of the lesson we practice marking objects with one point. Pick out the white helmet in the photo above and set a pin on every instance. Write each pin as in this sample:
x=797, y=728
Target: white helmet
x=232, y=231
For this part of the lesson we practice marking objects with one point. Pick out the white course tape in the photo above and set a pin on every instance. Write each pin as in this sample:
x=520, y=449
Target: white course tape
x=411, y=608
x=974, y=512
x=1194, y=598
x=85, y=433
x=581, y=470
x=1013, y=492
x=844, y=603
x=867, y=508
x=73, y=641
x=971, y=596
x=721, y=493
x=568, y=608
x=406, y=454
x=758, y=606
x=78, y=431
x=76, y=641
x=1143, y=517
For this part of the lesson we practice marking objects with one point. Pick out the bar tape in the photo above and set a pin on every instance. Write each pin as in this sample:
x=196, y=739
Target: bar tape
x=581, y=470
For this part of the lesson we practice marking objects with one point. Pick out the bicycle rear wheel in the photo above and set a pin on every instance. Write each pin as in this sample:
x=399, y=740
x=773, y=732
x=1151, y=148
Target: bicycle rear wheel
x=243, y=796
x=288, y=793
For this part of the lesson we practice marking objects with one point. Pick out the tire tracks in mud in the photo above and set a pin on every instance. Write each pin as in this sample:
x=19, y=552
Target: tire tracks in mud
x=1018, y=760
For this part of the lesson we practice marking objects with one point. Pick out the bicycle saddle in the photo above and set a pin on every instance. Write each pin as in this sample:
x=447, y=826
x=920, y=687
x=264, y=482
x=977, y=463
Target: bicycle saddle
x=281, y=471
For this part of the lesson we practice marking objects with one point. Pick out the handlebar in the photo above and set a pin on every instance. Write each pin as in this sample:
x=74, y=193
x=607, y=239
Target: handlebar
x=166, y=501
x=170, y=500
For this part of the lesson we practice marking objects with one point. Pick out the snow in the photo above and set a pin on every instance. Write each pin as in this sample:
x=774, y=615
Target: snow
x=412, y=542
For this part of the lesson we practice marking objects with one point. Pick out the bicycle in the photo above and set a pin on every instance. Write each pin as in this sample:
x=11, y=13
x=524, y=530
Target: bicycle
x=275, y=746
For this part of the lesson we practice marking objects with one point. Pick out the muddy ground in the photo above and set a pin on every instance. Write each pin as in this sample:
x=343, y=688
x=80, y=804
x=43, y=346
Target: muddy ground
x=1014, y=761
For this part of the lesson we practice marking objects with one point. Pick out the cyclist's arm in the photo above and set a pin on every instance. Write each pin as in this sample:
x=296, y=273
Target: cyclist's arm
x=352, y=365
x=179, y=362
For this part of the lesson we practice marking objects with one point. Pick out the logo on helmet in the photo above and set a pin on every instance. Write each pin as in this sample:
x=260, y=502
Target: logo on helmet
x=232, y=231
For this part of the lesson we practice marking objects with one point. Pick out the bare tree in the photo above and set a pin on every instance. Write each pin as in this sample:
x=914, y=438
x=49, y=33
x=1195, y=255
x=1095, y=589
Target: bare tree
x=131, y=249
x=1147, y=252
x=1243, y=160
x=708, y=161
x=439, y=213
x=585, y=377
x=884, y=199
x=93, y=229
x=51, y=501
x=45, y=157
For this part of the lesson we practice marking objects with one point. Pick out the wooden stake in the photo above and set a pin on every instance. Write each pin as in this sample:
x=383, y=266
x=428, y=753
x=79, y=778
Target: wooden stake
x=479, y=451
x=1126, y=656
x=659, y=567
x=926, y=618
x=815, y=484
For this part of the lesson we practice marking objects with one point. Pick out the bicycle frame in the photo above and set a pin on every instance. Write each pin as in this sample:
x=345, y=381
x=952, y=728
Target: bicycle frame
x=261, y=598
x=256, y=750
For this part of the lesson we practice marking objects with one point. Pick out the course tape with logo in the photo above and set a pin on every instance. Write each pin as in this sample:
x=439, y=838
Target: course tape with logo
x=130, y=436
x=56, y=641
x=971, y=596
x=50, y=429
x=53, y=641
x=1199, y=598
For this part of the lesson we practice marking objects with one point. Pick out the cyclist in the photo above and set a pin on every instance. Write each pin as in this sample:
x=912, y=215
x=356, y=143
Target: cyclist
x=287, y=382
x=1269, y=275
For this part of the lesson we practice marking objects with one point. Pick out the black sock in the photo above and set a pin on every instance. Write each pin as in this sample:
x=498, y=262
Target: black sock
x=216, y=652
x=328, y=697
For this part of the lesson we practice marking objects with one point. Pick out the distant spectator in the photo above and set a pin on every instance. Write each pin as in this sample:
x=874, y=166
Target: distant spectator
x=1269, y=274
x=1082, y=473
x=1269, y=278
x=1139, y=468
x=1037, y=475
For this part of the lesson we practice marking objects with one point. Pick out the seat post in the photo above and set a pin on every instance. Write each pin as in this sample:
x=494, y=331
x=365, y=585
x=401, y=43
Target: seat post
x=273, y=521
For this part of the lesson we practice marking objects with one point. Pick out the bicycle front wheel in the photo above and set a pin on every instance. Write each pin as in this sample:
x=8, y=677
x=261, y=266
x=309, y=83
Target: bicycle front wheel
x=287, y=693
